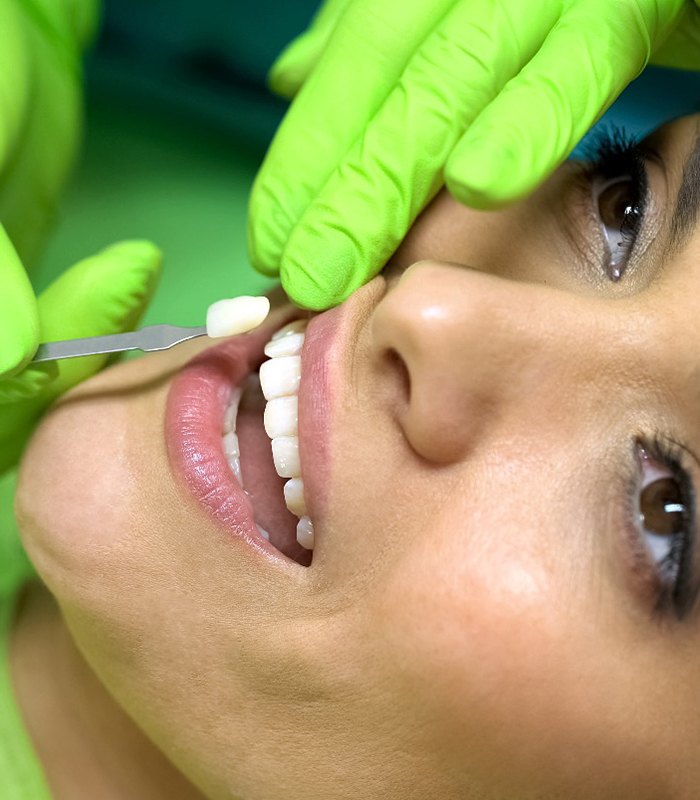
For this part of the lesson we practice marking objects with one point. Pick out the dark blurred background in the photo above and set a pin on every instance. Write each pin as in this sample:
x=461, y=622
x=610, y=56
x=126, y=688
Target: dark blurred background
x=202, y=58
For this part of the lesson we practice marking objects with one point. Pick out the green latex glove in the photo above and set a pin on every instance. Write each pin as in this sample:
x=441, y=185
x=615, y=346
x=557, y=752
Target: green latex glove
x=101, y=295
x=399, y=97
x=40, y=116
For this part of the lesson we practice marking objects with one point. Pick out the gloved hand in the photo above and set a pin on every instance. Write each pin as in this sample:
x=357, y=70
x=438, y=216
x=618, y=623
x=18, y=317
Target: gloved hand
x=101, y=295
x=40, y=99
x=40, y=95
x=401, y=96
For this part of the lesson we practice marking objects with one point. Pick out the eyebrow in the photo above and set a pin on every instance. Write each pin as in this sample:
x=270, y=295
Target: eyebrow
x=685, y=214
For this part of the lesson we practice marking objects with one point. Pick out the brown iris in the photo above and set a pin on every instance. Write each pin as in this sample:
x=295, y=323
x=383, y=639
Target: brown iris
x=617, y=204
x=662, y=508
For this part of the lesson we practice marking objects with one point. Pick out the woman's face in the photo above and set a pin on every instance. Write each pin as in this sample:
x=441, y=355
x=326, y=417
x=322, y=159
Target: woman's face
x=497, y=447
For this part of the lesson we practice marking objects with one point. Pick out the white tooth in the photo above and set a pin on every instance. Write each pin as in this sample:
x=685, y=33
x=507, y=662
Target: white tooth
x=285, y=454
x=280, y=376
x=232, y=411
x=281, y=416
x=235, y=463
x=294, y=496
x=230, y=442
x=236, y=315
x=305, y=533
x=263, y=533
x=297, y=326
x=286, y=346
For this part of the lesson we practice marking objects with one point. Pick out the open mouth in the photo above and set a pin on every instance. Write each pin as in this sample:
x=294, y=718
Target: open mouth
x=232, y=436
x=260, y=440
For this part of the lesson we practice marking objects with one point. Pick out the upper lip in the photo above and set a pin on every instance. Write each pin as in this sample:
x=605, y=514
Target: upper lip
x=331, y=338
x=315, y=411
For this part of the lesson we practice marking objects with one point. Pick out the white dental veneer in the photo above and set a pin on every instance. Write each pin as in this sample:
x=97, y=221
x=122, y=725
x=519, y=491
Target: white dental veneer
x=236, y=315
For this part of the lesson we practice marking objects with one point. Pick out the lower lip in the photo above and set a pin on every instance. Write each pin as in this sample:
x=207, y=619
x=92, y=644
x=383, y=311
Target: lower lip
x=196, y=404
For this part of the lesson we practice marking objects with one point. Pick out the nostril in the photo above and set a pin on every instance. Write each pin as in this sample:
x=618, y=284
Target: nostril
x=397, y=369
x=390, y=385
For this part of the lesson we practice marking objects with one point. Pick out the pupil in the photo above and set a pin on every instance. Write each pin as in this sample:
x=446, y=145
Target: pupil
x=616, y=203
x=661, y=504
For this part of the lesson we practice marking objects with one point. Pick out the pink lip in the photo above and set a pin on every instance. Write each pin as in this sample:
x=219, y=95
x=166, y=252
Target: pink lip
x=329, y=337
x=194, y=416
x=195, y=409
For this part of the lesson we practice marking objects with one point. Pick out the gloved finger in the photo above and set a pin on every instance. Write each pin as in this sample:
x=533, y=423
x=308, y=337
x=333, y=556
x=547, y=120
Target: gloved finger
x=299, y=57
x=19, y=320
x=349, y=231
x=540, y=116
x=104, y=294
x=14, y=78
x=362, y=62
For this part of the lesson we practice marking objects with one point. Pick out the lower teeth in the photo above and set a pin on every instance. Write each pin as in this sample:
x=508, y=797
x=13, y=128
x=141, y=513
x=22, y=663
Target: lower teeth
x=263, y=532
x=305, y=533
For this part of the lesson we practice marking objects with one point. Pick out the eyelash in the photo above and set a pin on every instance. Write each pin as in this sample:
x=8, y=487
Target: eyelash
x=672, y=577
x=611, y=153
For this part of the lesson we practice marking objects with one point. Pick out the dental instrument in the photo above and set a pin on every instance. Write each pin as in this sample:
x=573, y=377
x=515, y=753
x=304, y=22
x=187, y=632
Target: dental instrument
x=228, y=317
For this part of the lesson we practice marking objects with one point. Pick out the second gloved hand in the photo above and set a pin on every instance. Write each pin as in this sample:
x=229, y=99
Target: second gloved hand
x=401, y=96
x=101, y=295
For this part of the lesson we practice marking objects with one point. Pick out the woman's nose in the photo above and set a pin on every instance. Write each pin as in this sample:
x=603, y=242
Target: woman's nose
x=476, y=348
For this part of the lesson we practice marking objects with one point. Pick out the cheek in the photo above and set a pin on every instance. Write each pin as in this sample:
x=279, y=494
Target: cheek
x=509, y=670
x=83, y=490
x=75, y=490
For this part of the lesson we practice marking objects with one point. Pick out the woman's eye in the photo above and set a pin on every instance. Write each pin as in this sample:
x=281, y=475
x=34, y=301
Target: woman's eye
x=618, y=193
x=665, y=520
x=619, y=208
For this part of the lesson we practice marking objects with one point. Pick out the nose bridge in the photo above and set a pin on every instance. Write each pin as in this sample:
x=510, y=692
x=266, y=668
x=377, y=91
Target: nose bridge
x=477, y=346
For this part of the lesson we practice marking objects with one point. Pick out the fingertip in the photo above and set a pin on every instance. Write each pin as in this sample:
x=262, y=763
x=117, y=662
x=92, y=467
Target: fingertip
x=487, y=174
x=136, y=250
x=294, y=64
x=290, y=69
x=19, y=315
x=15, y=351
x=319, y=288
x=305, y=290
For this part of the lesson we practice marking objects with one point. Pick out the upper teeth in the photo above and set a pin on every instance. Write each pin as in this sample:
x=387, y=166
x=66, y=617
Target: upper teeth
x=279, y=380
